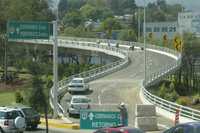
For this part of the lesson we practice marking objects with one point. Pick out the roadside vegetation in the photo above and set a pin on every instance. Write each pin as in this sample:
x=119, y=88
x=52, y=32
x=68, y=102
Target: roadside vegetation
x=183, y=87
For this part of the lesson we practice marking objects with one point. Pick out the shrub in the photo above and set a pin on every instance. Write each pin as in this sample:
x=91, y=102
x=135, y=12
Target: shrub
x=183, y=101
x=18, y=97
x=171, y=96
x=162, y=91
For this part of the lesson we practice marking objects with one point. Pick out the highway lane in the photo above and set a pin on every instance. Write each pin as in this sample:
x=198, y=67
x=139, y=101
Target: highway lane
x=124, y=85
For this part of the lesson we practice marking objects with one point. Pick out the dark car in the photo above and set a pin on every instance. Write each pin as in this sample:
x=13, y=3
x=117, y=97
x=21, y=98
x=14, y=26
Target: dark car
x=119, y=130
x=32, y=118
x=192, y=127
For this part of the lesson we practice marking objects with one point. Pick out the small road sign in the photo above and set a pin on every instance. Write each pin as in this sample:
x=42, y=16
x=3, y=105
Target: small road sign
x=29, y=30
x=96, y=119
x=178, y=43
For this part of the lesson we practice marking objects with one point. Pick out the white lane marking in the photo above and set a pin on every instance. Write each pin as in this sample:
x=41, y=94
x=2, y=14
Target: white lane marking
x=99, y=99
x=102, y=91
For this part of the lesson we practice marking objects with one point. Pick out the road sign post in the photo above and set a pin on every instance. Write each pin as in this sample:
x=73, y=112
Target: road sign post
x=97, y=119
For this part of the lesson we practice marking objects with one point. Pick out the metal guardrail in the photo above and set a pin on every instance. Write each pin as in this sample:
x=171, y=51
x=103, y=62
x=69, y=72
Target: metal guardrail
x=151, y=79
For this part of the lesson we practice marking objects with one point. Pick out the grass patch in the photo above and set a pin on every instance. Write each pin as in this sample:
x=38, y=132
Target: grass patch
x=7, y=98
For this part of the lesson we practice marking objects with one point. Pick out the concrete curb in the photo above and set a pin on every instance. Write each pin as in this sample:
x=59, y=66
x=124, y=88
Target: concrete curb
x=54, y=123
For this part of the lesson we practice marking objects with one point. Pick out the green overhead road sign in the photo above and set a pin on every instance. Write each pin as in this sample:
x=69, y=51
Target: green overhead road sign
x=29, y=30
x=96, y=119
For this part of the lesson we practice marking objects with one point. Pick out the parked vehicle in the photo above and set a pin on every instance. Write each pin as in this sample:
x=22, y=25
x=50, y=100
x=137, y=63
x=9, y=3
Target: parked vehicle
x=77, y=103
x=11, y=121
x=78, y=85
x=119, y=130
x=32, y=118
x=192, y=127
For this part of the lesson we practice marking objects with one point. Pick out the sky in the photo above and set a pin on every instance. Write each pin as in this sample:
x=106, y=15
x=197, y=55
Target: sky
x=193, y=5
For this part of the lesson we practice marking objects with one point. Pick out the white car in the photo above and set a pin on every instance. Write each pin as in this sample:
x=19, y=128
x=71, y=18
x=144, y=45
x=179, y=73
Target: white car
x=77, y=103
x=78, y=85
x=11, y=121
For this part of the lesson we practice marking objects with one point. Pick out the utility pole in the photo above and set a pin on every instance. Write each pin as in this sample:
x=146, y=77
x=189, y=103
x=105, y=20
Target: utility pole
x=55, y=61
x=144, y=34
x=138, y=24
x=4, y=40
x=55, y=64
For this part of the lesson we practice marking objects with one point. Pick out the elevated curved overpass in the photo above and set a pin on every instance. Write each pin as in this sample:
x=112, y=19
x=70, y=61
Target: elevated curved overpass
x=123, y=85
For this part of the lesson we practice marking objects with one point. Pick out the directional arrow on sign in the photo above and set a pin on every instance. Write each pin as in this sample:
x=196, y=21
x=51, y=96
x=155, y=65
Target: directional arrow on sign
x=91, y=116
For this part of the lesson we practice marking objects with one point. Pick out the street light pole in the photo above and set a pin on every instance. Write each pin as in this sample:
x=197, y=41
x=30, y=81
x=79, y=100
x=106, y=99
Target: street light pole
x=4, y=41
x=144, y=34
x=138, y=24
x=55, y=63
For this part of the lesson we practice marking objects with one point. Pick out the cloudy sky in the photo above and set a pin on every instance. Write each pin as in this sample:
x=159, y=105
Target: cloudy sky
x=193, y=5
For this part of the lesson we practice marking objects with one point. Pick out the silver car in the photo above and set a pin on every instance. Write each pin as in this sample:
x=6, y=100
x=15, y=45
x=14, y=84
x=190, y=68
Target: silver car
x=11, y=121
x=78, y=85
x=77, y=103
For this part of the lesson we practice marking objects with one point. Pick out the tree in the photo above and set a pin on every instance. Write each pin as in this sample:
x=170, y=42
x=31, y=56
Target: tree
x=29, y=10
x=18, y=97
x=73, y=19
x=75, y=4
x=129, y=6
x=161, y=11
x=37, y=98
x=62, y=8
x=115, y=6
x=88, y=11
x=127, y=35
x=110, y=24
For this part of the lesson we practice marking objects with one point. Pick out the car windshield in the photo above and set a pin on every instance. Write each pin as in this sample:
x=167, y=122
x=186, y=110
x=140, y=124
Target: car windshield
x=29, y=111
x=76, y=81
x=80, y=100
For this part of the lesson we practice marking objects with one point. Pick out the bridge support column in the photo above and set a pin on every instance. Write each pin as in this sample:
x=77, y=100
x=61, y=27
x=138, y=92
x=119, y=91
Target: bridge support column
x=83, y=59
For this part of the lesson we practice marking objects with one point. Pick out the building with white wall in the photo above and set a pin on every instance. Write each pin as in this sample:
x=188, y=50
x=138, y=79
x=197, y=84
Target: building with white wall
x=159, y=29
x=189, y=22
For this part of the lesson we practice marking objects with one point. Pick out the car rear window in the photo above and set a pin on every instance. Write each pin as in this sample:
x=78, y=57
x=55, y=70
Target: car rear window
x=80, y=100
x=76, y=86
x=77, y=81
x=115, y=132
x=29, y=111
x=2, y=115
x=9, y=115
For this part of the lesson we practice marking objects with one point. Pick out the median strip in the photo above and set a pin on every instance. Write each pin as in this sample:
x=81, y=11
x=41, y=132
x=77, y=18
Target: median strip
x=56, y=123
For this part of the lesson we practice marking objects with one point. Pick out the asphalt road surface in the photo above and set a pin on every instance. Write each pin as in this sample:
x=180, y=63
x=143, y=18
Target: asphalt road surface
x=124, y=85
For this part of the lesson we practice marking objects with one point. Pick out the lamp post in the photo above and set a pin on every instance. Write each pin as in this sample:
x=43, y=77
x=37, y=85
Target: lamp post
x=144, y=34
x=55, y=63
x=138, y=16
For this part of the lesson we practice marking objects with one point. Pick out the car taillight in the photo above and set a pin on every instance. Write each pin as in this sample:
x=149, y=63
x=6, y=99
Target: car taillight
x=6, y=123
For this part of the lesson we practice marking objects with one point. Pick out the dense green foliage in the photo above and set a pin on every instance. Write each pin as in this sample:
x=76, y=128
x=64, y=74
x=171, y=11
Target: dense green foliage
x=161, y=11
x=23, y=10
x=184, y=86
